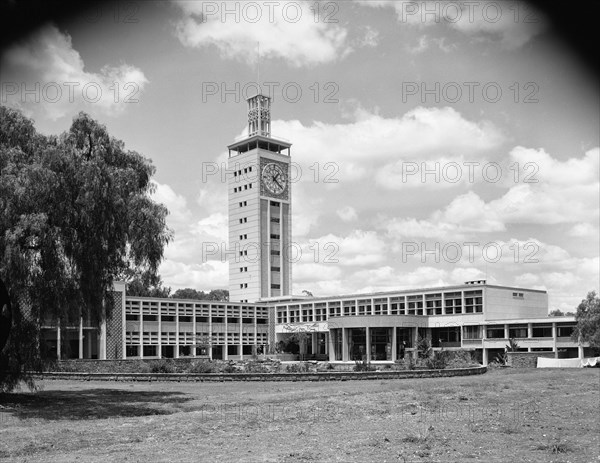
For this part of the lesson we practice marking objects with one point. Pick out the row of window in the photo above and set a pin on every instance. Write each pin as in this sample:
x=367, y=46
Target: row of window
x=199, y=319
x=245, y=171
x=245, y=187
x=243, y=203
x=516, y=331
x=244, y=220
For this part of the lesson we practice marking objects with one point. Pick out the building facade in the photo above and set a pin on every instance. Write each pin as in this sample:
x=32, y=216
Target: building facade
x=262, y=313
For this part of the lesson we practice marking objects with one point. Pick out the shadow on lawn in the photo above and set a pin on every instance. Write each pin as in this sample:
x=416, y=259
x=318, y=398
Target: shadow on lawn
x=90, y=404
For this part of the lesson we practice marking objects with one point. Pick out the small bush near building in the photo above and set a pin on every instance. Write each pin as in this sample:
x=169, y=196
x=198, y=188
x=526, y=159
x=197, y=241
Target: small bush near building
x=202, y=366
x=297, y=368
x=363, y=366
x=162, y=366
x=255, y=367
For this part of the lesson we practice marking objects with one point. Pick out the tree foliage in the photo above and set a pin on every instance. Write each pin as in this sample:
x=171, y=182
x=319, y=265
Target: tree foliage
x=588, y=320
x=75, y=213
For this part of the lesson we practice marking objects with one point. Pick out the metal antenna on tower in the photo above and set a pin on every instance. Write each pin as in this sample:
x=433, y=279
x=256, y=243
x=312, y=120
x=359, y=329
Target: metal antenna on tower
x=258, y=64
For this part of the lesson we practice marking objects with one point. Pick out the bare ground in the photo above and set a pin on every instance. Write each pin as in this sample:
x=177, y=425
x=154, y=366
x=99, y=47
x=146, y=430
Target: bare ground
x=502, y=416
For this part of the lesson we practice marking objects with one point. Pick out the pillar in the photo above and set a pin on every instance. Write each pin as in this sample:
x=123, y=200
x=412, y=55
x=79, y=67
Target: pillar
x=345, y=345
x=176, y=353
x=80, y=337
x=580, y=351
x=314, y=341
x=330, y=345
x=394, y=343
x=554, y=341
x=368, y=343
x=506, y=335
x=102, y=340
x=485, y=356
x=58, y=349
x=530, y=330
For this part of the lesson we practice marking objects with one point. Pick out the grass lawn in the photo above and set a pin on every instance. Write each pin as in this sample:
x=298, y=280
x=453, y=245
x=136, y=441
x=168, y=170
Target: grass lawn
x=502, y=416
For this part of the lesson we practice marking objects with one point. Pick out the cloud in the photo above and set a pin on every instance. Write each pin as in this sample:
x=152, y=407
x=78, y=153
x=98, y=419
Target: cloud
x=347, y=214
x=44, y=75
x=511, y=25
x=285, y=30
x=425, y=43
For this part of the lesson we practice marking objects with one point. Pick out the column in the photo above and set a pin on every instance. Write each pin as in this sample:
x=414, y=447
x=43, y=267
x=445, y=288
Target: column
x=368, y=343
x=415, y=342
x=176, y=331
x=102, y=340
x=345, y=356
x=80, y=337
x=58, y=349
x=210, y=333
x=506, y=335
x=159, y=323
x=256, y=331
x=193, y=351
x=394, y=343
x=485, y=356
x=226, y=345
x=530, y=330
x=241, y=346
x=314, y=340
x=142, y=331
x=330, y=345
x=554, y=340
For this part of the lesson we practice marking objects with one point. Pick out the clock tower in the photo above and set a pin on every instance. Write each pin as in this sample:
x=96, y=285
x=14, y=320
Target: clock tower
x=259, y=189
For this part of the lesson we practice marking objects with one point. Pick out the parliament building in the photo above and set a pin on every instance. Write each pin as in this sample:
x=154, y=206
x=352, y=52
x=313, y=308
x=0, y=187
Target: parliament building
x=261, y=312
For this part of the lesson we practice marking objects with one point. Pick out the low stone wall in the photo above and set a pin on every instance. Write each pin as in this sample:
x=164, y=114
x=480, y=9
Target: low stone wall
x=526, y=359
x=223, y=377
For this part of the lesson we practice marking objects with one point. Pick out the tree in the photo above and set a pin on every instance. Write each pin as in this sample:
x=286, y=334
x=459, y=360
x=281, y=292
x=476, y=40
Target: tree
x=189, y=293
x=588, y=321
x=145, y=284
x=218, y=295
x=556, y=313
x=75, y=213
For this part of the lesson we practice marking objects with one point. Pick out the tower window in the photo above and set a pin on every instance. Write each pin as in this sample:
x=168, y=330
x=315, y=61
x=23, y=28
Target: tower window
x=275, y=286
x=251, y=185
x=274, y=236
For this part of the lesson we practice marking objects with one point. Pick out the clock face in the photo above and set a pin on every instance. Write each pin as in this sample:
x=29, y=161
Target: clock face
x=274, y=178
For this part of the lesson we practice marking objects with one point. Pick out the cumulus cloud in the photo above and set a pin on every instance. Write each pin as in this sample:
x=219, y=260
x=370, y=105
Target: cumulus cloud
x=512, y=24
x=285, y=30
x=44, y=75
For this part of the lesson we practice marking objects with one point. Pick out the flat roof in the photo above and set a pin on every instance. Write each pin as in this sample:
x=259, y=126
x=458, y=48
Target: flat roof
x=467, y=287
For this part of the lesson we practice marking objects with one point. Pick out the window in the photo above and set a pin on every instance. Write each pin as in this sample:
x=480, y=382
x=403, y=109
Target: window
x=274, y=236
x=518, y=295
x=275, y=253
x=474, y=332
x=497, y=333
x=275, y=286
x=542, y=332
x=132, y=351
x=564, y=331
x=150, y=351
x=251, y=185
x=276, y=269
x=274, y=204
x=275, y=219
x=517, y=332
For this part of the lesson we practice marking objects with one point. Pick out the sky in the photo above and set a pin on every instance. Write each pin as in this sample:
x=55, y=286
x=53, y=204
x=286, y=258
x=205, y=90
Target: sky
x=433, y=142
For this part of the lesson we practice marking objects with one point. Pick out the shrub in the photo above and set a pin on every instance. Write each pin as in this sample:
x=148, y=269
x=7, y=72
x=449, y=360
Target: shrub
x=255, y=367
x=438, y=361
x=202, y=367
x=297, y=368
x=230, y=368
x=162, y=366
x=363, y=366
